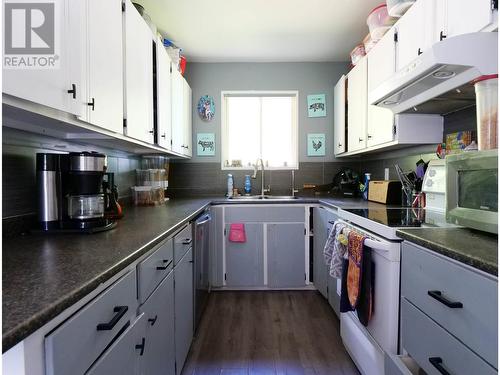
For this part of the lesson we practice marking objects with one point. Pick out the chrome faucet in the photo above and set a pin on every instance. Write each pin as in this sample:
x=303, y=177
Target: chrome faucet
x=254, y=176
x=293, y=184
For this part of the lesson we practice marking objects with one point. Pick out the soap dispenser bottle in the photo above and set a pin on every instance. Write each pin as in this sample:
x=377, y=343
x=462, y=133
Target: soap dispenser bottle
x=248, y=185
x=230, y=185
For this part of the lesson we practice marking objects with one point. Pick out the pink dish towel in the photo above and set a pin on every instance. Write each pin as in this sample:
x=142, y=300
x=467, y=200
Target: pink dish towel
x=237, y=233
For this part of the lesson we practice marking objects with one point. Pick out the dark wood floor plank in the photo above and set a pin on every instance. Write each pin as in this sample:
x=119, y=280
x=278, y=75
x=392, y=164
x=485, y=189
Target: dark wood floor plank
x=268, y=333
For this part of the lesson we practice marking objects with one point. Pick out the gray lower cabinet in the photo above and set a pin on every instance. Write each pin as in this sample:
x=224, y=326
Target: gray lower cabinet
x=159, y=356
x=320, y=269
x=244, y=260
x=286, y=255
x=183, y=297
x=126, y=355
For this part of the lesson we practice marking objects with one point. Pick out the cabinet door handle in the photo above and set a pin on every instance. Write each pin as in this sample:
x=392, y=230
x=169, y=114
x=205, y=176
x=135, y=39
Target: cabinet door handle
x=361, y=139
x=120, y=311
x=164, y=135
x=442, y=36
x=340, y=144
x=369, y=136
x=153, y=320
x=187, y=147
x=437, y=362
x=141, y=346
x=419, y=52
x=162, y=268
x=92, y=104
x=151, y=132
x=73, y=90
x=437, y=295
x=187, y=241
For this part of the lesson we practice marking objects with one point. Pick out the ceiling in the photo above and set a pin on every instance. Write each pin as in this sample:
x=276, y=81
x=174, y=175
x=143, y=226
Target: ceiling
x=262, y=30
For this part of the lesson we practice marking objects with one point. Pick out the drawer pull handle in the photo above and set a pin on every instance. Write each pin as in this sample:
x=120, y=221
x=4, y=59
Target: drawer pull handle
x=153, y=320
x=141, y=346
x=437, y=295
x=437, y=362
x=331, y=222
x=162, y=268
x=187, y=241
x=120, y=311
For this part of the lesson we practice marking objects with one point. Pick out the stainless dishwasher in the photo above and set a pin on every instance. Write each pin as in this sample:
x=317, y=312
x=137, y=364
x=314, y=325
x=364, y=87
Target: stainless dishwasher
x=201, y=265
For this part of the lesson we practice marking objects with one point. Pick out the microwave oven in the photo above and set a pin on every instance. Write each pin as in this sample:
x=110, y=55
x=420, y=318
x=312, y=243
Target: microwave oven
x=472, y=190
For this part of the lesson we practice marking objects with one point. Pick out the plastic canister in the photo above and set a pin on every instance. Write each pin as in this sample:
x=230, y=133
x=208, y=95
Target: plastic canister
x=487, y=111
x=248, y=184
x=230, y=185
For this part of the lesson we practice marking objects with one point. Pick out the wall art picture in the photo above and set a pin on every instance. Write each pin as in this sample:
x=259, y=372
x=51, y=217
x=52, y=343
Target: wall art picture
x=206, y=108
x=316, y=105
x=316, y=145
x=205, y=144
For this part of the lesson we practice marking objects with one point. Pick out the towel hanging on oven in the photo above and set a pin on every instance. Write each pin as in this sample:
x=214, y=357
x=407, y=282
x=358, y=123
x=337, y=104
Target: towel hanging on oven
x=355, y=268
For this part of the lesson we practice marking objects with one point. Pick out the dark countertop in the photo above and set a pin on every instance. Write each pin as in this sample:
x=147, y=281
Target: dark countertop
x=474, y=248
x=45, y=274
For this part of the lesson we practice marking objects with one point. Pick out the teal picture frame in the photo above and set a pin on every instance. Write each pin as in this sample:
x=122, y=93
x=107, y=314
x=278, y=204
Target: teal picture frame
x=316, y=144
x=316, y=105
x=205, y=144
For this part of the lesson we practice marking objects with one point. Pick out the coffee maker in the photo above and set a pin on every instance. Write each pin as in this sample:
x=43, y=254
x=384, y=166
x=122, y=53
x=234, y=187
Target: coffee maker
x=70, y=192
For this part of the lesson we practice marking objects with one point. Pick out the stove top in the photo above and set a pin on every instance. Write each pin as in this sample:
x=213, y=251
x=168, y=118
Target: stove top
x=385, y=221
x=393, y=217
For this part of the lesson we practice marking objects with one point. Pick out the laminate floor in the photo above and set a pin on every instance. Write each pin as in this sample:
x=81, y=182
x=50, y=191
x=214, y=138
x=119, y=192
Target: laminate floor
x=268, y=333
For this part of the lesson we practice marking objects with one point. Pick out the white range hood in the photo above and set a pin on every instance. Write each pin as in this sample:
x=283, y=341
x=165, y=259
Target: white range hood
x=438, y=81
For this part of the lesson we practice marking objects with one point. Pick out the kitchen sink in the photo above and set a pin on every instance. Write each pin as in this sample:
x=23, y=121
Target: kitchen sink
x=265, y=197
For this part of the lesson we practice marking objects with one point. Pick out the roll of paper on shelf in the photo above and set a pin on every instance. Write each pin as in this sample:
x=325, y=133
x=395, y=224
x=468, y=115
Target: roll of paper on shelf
x=386, y=174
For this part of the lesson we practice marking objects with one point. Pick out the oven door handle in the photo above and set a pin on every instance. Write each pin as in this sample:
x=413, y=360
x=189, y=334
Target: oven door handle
x=369, y=242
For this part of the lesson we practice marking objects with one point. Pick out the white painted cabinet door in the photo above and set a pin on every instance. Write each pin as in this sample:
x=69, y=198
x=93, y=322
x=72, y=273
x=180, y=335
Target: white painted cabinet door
x=104, y=94
x=382, y=60
x=177, y=111
x=187, y=119
x=164, y=96
x=138, y=76
x=379, y=126
x=456, y=17
x=357, y=106
x=49, y=87
x=413, y=29
x=339, y=123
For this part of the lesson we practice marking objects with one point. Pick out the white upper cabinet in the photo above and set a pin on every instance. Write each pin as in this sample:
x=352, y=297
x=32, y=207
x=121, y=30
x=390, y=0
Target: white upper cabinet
x=382, y=60
x=413, y=33
x=357, y=106
x=103, y=96
x=164, y=96
x=59, y=87
x=455, y=17
x=138, y=76
x=339, y=123
x=380, y=126
x=187, y=120
x=177, y=111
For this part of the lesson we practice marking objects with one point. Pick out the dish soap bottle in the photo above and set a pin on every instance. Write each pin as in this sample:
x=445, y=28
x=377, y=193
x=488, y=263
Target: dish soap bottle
x=365, y=188
x=230, y=185
x=248, y=185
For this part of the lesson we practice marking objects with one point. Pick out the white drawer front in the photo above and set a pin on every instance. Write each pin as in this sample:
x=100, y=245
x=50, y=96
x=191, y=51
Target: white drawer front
x=434, y=349
x=426, y=278
x=153, y=269
x=77, y=343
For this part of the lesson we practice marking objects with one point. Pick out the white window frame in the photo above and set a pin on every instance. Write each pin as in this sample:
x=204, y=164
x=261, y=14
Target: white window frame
x=295, y=125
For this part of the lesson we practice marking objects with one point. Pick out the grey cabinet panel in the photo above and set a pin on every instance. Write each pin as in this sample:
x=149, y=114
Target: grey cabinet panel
x=424, y=339
x=183, y=241
x=154, y=268
x=183, y=296
x=286, y=255
x=216, y=245
x=159, y=356
x=333, y=296
x=77, y=343
x=123, y=357
x=276, y=214
x=475, y=324
x=244, y=261
x=320, y=269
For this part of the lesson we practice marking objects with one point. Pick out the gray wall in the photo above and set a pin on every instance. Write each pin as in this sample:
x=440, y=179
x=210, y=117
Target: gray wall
x=307, y=78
